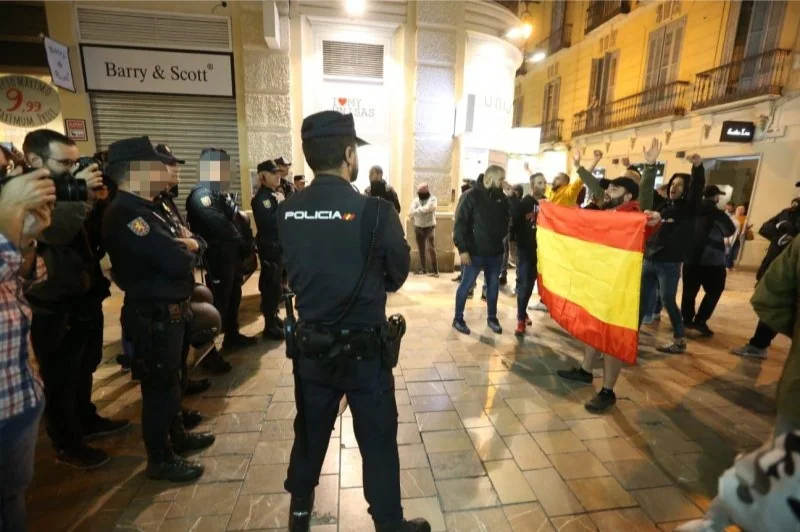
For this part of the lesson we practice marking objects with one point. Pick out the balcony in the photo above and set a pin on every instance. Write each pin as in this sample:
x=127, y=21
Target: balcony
x=759, y=75
x=558, y=40
x=601, y=11
x=551, y=131
x=658, y=102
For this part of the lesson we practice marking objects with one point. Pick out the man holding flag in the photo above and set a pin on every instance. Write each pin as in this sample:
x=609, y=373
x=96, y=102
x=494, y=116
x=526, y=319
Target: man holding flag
x=608, y=318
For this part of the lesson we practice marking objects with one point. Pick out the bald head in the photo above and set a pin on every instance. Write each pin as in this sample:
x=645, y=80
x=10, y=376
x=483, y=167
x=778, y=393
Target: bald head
x=423, y=189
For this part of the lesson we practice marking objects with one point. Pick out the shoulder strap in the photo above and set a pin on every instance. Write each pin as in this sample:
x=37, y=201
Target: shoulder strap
x=371, y=202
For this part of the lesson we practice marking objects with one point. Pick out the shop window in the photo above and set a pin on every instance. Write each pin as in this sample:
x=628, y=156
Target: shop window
x=351, y=59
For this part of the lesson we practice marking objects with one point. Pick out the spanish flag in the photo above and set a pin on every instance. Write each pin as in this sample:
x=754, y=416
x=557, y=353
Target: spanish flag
x=590, y=272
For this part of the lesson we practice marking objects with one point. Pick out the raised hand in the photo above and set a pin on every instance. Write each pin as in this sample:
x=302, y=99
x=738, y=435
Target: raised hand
x=651, y=155
x=695, y=159
x=576, y=156
x=598, y=156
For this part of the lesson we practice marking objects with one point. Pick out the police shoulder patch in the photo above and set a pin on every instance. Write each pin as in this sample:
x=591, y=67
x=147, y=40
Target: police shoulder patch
x=139, y=227
x=206, y=201
x=267, y=203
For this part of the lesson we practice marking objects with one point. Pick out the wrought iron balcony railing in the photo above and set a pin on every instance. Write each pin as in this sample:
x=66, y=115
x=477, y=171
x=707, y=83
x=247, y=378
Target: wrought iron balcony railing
x=658, y=102
x=558, y=40
x=758, y=75
x=551, y=131
x=600, y=11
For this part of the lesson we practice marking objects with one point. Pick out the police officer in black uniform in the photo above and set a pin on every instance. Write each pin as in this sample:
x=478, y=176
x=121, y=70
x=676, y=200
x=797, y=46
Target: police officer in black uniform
x=265, y=211
x=206, y=320
x=215, y=216
x=325, y=233
x=154, y=269
x=286, y=186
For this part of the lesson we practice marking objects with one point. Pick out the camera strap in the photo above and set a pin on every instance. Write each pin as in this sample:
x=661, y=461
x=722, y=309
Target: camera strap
x=371, y=202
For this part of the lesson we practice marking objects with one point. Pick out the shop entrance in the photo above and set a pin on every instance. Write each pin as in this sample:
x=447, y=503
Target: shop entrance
x=735, y=176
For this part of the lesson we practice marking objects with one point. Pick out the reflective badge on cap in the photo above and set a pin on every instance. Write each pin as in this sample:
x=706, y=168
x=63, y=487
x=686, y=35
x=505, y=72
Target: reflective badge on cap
x=206, y=201
x=267, y=203
x=139, y=227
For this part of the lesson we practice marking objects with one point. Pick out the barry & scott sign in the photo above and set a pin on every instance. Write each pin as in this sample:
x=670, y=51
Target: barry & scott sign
x=157, y=71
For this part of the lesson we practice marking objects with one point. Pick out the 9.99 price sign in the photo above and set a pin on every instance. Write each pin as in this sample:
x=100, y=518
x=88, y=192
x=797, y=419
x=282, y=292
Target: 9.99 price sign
x=27, y=102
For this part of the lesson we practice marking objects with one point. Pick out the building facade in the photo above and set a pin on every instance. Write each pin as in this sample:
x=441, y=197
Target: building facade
x=717, y=78
x=242, y=76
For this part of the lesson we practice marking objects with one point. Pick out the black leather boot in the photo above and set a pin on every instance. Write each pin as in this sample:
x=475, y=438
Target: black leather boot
x=415, y=525
x=300, y=513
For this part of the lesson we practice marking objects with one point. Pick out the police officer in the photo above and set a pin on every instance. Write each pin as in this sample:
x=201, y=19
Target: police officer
x=265, y=211
x=214, y=215
x=206, y=320
x=154, y=269
x=325, y=235
x=284, y=170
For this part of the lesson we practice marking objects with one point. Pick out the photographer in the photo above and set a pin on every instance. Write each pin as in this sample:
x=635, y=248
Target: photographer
x=24, y=211
x=67, y=326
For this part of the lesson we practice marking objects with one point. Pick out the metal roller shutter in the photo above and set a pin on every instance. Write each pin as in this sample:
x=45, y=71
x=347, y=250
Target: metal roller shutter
x=186, y=123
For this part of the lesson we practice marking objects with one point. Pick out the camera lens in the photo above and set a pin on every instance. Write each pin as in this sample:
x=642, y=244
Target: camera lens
x=71, y=189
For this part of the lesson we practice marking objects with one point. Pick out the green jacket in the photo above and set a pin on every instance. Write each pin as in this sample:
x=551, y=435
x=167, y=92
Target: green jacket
x=776, y=301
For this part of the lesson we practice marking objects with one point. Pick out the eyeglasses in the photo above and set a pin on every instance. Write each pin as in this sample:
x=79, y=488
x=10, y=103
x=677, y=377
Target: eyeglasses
x=69, y=163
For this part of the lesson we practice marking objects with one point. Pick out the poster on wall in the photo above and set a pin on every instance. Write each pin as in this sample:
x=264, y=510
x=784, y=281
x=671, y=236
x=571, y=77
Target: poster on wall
x=27, y=102
x=76, y=129
x=60, y=67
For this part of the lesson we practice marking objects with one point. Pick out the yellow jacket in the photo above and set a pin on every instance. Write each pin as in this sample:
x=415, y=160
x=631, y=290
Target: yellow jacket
x=566, y=195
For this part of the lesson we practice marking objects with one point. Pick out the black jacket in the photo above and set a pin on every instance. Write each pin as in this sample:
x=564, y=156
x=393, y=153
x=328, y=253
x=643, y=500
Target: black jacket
x=524, y=214
x=481, y=224
x=325, y=232
x=265, y=211
x=712, y=227
x=382, y=190
x=215, y=217
x=787, y=222
x=674, y=238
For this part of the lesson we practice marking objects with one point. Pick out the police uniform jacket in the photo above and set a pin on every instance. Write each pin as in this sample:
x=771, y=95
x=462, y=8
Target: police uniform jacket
x=147, y=262
x=325, y=235
x=265, y=211
x=165, y=206
x=211, y=215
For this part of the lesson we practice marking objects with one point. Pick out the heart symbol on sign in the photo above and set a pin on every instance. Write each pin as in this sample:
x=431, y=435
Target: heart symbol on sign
x=342, y=101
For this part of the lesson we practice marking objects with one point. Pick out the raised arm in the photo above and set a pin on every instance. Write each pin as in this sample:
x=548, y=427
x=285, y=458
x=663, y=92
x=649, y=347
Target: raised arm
x=585, y=174
x=648, y=183
x=695, y=196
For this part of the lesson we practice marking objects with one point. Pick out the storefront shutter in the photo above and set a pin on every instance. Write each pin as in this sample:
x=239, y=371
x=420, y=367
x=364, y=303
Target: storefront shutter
x=186, y=123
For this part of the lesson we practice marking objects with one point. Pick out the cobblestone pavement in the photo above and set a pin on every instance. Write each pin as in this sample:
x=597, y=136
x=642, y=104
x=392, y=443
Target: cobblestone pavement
x=489, y=438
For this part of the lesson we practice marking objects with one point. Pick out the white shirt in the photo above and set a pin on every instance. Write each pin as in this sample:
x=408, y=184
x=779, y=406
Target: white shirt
x=424, y=212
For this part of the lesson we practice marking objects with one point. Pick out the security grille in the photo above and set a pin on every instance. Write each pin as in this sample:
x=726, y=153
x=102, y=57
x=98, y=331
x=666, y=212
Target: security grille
x=350, y=59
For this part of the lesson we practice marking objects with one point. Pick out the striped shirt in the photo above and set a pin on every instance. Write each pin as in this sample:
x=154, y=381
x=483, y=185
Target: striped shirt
x=20, y=388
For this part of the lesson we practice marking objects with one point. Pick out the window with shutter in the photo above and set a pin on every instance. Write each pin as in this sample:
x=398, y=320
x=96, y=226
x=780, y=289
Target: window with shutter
x=594, y=85
x=557, y=20
x=654, y=47
x=664, y=54
x=611, y=59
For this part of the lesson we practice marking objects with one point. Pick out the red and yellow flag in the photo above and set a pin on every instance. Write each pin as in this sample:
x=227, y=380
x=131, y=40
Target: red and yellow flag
x=590, y=272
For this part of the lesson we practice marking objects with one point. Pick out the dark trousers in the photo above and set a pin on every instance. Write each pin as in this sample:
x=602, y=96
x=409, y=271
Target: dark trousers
x=68, y=346
x=369, y=388
x=225, y=278
x=665, y=276
x=506, y=253
x=469, y=273
x=158, y=345
x=18, y=437
x=526, y=277
x=712, y=280
x=427, y=245
x=269, y=284
x=763, y=336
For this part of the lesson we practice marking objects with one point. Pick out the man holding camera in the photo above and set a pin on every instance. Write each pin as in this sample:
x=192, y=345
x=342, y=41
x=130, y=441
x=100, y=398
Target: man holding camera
x=215, y=216
x=25, y=205
x=67, y=327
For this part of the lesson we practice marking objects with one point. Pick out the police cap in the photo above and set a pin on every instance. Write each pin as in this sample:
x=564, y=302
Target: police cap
x=330, y=124
x=283, y=161
x=165, y=150
x=267, y=166
x=134, y=149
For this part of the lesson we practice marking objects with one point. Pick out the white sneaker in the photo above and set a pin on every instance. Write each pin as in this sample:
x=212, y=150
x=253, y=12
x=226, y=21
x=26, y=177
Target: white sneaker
x=541, y=307
x=750, y=351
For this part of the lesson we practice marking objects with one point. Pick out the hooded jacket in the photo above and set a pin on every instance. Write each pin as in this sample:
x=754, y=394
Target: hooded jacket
x=674, y=238
x=785, y=224
x=711, y=228
x=481, y=223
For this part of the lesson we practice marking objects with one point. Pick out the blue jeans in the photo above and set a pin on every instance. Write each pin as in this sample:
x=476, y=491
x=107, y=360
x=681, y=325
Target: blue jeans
x=18, y=437
x=665, y=276
x=491, y=273
x=526, y=277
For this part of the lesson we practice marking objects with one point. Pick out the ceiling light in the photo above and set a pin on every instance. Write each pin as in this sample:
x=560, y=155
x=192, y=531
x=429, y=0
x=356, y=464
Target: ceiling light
x=355, y=8
x=523, y=31
x=537, y=57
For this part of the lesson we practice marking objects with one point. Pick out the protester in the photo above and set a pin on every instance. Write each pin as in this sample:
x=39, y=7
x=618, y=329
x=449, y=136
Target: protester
x=621, y=195
x=379, y=188
x=780, y=231
x=25, y=207
x=466, y=184
x=481, y=223
x=705, y=262
x=524, y=213
x=423, y=215
x=667, y=249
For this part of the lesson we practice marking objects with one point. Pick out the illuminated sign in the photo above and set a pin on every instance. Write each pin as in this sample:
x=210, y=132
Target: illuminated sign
x=737, y=132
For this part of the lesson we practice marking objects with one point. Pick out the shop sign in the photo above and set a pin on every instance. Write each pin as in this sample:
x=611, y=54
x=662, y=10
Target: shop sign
x=27, y=102
x=355, y=106
x=60, y=67
x=76, y=130
x=157, y=71
x=485, y=114
x=737, y=131
x=366, y=102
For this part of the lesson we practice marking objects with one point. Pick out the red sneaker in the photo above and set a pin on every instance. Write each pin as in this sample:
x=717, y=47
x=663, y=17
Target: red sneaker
x=520, y=328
